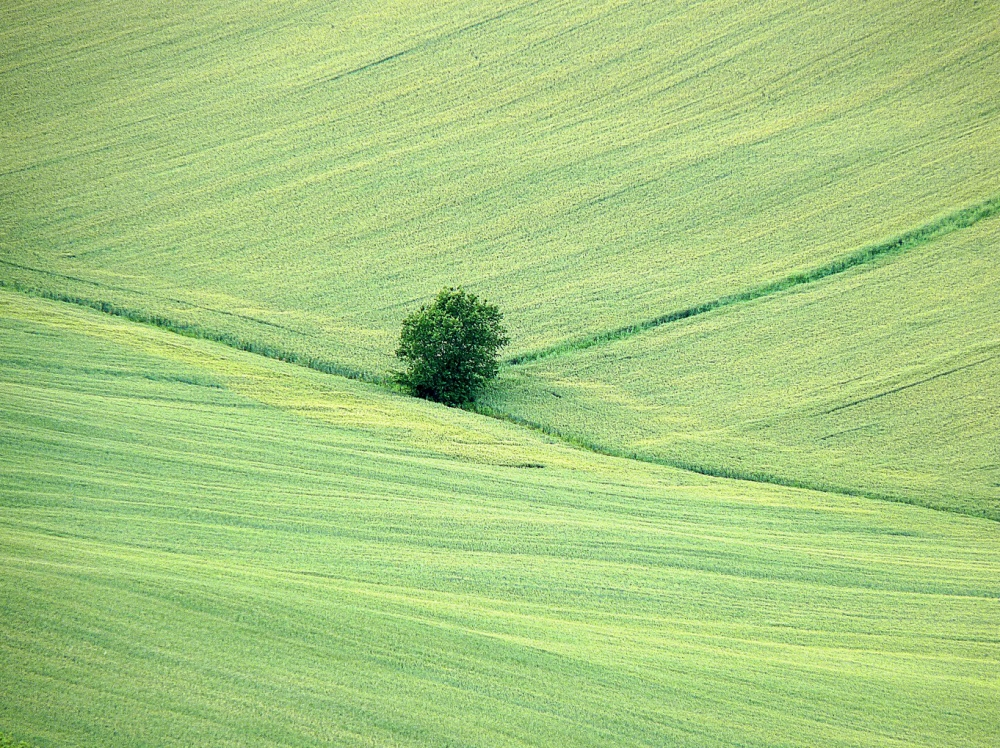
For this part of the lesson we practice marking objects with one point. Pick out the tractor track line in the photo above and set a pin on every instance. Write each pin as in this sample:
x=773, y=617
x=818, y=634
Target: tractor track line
x=429, y=42
x=917, y=237
x=200, y=332
x=894, y=390
x=181, y=302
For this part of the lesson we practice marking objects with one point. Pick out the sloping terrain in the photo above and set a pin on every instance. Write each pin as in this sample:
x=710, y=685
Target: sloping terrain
x=202, y=546
x=882, y=380
x=299, y=177
x=748, y=241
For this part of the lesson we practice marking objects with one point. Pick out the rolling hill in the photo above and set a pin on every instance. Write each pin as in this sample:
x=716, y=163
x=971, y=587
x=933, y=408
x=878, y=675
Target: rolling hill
x=302, y=176
x=204, y=546
x=747, y=254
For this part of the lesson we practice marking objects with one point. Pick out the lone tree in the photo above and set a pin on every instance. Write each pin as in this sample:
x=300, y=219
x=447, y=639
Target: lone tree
x=451, y=347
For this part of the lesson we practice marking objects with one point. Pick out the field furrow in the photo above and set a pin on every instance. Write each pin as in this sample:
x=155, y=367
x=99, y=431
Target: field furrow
x=927, y=233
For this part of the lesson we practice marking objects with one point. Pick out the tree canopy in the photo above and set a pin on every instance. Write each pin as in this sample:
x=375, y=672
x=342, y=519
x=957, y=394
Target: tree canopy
x=451, y=347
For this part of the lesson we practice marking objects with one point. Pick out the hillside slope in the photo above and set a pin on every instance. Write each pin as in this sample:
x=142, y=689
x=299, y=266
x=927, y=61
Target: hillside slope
x=303, y=175
x=883, y=381
x=201, y=546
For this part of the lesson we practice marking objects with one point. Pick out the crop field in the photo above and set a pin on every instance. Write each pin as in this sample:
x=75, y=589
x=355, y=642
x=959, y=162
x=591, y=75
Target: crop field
x=298, y=177
x=202, y=546
x=748, y=258
x=882, y=380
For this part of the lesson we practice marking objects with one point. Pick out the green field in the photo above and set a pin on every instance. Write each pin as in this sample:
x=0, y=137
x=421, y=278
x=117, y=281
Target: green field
x=304, y=175
x=748, y=258
x=193, y=554
x=882, y=381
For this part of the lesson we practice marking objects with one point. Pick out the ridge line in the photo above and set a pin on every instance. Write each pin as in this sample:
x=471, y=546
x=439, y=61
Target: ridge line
x=919, y=236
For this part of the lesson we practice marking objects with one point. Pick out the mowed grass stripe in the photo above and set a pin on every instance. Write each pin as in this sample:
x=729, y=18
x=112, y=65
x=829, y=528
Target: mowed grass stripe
x=936, y=229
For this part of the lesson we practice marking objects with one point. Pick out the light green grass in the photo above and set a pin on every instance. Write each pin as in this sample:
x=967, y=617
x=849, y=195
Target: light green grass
x=199, y=546
x=204, y=547
x=929, y=232
x=882, y=380
x=301, y=176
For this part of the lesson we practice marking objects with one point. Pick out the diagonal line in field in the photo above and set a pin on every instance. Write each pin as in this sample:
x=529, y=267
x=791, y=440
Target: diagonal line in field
x=919, y=382
x=421, y=45
x=193, y=330
x=109, y=287
x=916, y=237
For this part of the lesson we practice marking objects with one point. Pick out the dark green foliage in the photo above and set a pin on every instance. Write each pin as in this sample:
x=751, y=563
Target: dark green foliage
x=451, y=347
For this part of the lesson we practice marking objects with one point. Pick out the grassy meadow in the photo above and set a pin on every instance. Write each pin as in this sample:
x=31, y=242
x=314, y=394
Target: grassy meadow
x=300, y=176
x=202, y=546
x=882, y=380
